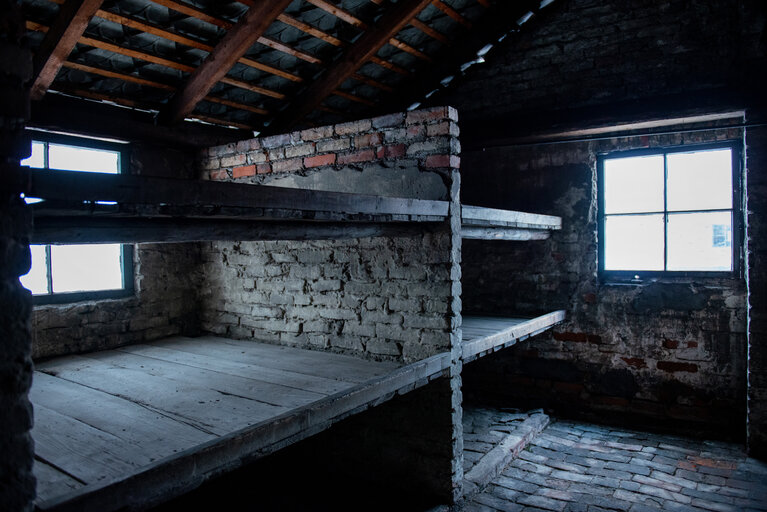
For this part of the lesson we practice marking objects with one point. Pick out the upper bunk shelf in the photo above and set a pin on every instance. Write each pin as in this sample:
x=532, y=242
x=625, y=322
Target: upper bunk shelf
x=493, y=224
x=82, y=207
x=483, y=335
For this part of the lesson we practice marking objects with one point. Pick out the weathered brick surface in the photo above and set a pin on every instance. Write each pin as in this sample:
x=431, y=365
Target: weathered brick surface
x=584, y=53
x=670, y=353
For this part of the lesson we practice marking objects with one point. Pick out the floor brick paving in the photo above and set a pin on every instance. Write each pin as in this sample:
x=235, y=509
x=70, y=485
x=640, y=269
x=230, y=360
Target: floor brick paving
x=484, y=428
x=581, y=467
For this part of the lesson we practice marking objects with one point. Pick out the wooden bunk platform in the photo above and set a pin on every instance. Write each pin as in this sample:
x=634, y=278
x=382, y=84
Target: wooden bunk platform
x=493, y=224
x=483, y=335
x=126, y=428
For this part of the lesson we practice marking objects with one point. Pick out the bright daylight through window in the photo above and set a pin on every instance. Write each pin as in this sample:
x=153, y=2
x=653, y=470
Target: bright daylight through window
x=77, y=271
x=667, y=212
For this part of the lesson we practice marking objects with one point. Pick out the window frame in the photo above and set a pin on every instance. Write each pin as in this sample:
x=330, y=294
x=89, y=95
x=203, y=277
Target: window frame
x=735, y=146
x=126, y=250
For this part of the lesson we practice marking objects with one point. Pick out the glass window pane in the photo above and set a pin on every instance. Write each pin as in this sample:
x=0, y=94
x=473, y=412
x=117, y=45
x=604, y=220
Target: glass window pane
x=634, y=184
x=36, y=280
x=700, y=181
x=37, y=158
x=634, y=242
x=70, y=158
x=700, y=241
x=86, y=267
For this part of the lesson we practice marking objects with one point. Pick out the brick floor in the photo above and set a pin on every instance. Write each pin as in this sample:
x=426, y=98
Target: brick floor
x=484, y=428
x=581, y=467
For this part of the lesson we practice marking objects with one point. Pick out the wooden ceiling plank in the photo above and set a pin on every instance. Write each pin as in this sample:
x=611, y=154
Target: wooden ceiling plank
x=426, y=29
x=70, y=24
x=229, y=50
x=409, y=49
x=194, y=12
x=484, y=3
x=388, y=65
x=114, y=74
x=360, y=52
x=276, y=45
x=240, y=106
x=339, y=13
x=172, y=36
x=308, y=29
x=219, y=122
x=356, y=99
x=442, y=6
x=373, y=83
x=252, y=87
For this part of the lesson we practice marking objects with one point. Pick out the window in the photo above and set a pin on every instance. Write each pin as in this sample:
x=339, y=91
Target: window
x=669, y=212
x=67, y=273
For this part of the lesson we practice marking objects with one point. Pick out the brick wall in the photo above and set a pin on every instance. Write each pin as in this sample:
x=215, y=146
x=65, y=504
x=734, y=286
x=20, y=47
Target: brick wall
x=165, y=281
x=659, y=353
x=756, y=157
x=382, y=297
x=17, y=484
x=580, y=53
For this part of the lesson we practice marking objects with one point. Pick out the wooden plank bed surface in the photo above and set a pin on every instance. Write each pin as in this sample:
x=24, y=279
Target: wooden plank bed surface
x=486, y=334
x=160, y=418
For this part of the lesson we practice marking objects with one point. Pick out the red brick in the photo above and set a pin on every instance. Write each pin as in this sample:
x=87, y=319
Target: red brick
x=415, y=132
x=595, y=339
x=353, y=127
x=264, y=168
x=370, y=139
x=388, y=121
x=636, y=362
x=380, y=152
x=672, y=366
x=692, y=344
x=590, y=298
x=443, y=161
x=245, y=170
x=667, y=343
x=365, y=155
x=432, y=114
x=294, y=164
x=319, y=160
x=218, y=175
x=683, y=464
x=395, y=150
x=577, y=337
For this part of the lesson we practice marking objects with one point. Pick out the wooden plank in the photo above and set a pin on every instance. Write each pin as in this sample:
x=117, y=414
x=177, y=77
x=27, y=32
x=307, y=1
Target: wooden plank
x=442, y=6
x=84, y=230
x=493, y=217
x=147, y=431
x=195, y=404
x=174, y=353
x=306, y=362
x=190, y=468
x=518, y=234
x=81, y=450
x=244, y=387
x=515, y=331
x=426, y=29
x=227, y=52
x=121, y=76
x=70, y=24
x=360, y=52
x=81, y=186
x=52, y=482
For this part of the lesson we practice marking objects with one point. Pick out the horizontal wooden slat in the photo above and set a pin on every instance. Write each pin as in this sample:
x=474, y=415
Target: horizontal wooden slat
x=518, y=234
x=426, y=29
x=476, y=216
x=503, y=332
x=455, y=15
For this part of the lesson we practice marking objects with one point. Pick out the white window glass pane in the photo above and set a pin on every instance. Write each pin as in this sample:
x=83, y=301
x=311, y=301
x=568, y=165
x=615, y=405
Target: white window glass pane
x=36, y=280
x=634, y=184
x=700, y=181
x=634, y=242
x=700, y=241
x=86, y=267
x=70, y=158
x=37, y=158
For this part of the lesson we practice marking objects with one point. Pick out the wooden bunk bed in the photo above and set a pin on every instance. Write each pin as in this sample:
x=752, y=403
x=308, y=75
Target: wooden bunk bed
x=133, y=426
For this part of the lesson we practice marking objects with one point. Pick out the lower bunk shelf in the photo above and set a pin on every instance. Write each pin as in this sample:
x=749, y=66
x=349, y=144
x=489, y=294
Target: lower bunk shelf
x=483, y=335
x=132, y=427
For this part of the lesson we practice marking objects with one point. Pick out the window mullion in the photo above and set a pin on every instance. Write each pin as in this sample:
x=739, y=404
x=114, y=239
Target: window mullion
x=48, y=268
x=665, y=212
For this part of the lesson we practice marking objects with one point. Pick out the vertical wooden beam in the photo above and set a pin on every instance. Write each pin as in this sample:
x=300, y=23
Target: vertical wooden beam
x=58, y=43
x=356, y=55
x=232, y=47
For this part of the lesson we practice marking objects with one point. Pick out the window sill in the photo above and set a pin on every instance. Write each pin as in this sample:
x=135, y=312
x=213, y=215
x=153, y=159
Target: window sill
x=79, y=297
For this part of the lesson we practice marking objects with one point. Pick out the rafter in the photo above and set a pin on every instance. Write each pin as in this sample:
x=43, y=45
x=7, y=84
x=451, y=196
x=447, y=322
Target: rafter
x=426, y=29
x=229, y=50
x=360, y=52
x=136, y=54
x=442, y=6
x=58, y=43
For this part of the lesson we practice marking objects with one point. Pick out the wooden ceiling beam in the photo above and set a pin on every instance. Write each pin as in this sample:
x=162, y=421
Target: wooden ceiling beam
x=426, y=29
x=97, y=43
x=360, y=52
x=130, y=22
x=442, y=6
x=69, y=26
x=229, y=50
